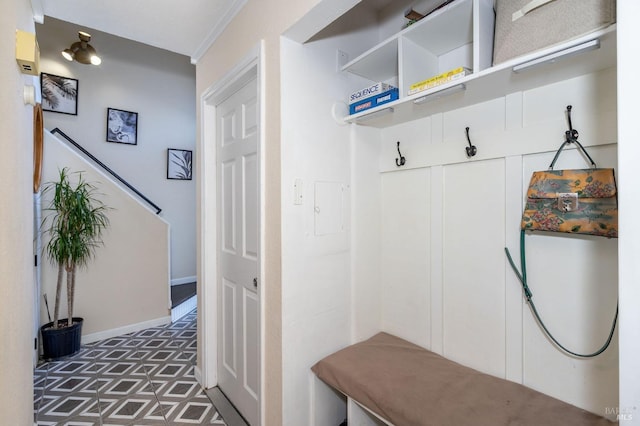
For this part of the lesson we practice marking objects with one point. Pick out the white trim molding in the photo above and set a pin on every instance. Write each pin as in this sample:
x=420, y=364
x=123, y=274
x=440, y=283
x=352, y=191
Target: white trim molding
x=215, y=32
x=184, y=308
x=131, y=328
x=183, y=280
x=251, y=66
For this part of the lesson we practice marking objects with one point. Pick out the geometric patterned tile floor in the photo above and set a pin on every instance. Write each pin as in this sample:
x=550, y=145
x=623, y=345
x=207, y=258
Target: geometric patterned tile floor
x=143, y=378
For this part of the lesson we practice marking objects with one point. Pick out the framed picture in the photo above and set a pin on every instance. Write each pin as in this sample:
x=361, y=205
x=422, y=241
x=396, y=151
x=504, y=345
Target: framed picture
x=59, y=94
x=179, y=164
x=122, y=126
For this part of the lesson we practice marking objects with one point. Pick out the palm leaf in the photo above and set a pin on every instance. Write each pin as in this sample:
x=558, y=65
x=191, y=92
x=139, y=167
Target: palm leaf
x=183, y=161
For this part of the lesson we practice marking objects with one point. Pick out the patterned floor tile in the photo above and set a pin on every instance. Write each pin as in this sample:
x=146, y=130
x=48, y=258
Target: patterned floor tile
x=64, y=407
x=81, y=422
x=142, y=378
x=156, y=411
x=129, y=409
x=120, y=387
x=178, y=390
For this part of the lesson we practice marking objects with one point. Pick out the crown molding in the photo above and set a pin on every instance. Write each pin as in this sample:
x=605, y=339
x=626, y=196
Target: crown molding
x=217, y=30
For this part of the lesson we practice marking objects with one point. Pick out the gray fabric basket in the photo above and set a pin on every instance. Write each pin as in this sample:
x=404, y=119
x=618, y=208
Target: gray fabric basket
x=554, y=22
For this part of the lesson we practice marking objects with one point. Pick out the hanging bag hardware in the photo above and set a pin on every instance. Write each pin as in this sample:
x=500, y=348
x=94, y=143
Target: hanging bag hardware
x=582, y=201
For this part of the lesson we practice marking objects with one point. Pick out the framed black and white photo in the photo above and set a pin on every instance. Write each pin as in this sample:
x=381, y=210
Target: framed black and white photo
x=122, y=126
x=59, y=94
x=179, y=164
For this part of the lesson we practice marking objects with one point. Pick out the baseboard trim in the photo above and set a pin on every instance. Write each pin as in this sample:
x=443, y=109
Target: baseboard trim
x=183, y=280
x=226, y=409
x=184, y=308
x=197, y=373
x=131, y=328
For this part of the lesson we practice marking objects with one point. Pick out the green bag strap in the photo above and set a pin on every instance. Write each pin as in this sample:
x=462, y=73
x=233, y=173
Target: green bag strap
x=528, y=295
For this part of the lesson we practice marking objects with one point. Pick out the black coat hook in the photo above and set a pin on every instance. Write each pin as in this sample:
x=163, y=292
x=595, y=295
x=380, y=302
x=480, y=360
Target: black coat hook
x=571, y=135
x=400, y=161
x=471, y=149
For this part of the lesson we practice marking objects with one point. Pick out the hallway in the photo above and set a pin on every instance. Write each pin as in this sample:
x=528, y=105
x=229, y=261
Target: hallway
x=143, y=378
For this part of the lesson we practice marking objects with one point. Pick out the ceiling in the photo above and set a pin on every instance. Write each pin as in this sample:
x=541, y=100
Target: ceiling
x=187, y=27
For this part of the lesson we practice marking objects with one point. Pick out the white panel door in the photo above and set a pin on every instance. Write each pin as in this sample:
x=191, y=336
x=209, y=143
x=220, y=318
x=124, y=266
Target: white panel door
x=237, y=199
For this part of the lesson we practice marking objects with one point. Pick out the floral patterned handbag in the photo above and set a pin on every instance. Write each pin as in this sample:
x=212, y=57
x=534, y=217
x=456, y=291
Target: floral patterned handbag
x=582, y=201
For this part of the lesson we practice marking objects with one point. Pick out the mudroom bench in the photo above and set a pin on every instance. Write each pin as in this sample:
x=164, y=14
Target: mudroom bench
x=404, y=384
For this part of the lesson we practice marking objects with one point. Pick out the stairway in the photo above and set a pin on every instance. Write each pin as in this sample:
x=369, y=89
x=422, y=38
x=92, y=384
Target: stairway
x=183, y=300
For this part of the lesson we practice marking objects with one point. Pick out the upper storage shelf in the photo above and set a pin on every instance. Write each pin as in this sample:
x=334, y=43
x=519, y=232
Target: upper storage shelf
x=446, y=39
x=461, y=35
x=379, y=63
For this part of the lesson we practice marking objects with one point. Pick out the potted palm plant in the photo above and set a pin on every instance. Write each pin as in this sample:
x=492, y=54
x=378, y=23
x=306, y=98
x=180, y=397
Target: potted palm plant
x=74, y=224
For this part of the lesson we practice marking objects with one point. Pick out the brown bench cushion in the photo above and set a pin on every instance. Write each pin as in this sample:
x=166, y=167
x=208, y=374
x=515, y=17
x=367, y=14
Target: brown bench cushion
x=409, y=385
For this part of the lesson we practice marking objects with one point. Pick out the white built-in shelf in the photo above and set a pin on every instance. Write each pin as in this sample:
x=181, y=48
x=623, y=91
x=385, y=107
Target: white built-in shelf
x=461, y=34
x=379, y=63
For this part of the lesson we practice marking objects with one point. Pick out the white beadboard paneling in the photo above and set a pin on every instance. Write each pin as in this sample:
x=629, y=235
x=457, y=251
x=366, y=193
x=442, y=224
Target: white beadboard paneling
x=415, y=141
x=435, y=267
x=365, y=232
x=513, y=289
x=477, y=313
x=437, y=130
x=480, y=118
x=593, y=99
x=474, y=315
x=405, y=255
x=513, y=111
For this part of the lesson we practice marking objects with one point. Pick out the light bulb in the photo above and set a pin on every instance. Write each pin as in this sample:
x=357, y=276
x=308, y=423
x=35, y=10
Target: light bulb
x=67, y=54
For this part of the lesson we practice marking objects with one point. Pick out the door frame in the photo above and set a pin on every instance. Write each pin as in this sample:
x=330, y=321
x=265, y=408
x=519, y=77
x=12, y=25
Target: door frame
x=251, y=66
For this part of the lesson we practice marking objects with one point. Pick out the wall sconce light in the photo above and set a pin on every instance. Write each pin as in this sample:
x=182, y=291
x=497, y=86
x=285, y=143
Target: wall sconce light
x=81, y=51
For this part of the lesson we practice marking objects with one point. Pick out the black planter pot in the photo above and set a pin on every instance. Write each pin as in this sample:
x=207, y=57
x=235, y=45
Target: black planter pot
x=57, y=343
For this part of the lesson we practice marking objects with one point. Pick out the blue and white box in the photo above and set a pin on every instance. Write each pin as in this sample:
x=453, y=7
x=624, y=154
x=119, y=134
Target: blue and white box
x=374, y=101
x=367, y=92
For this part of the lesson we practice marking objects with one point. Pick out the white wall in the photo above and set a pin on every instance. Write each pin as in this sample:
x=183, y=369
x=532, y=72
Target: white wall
x=160, y=87
x=330, y=282
x=125, y=287
x=16, y=224
x=446, y=219
x=628, y=152
x=315, y=259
